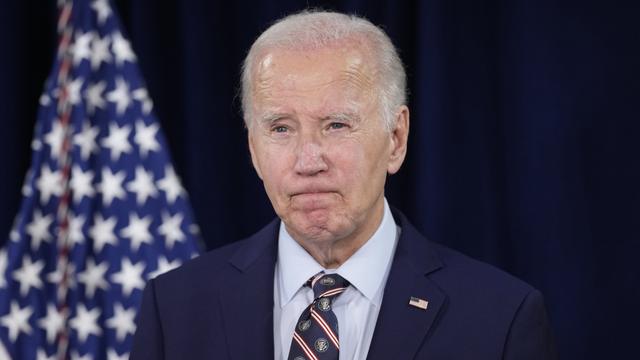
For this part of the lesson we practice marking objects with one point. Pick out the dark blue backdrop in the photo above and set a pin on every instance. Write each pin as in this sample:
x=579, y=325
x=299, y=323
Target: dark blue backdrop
x=523, y=148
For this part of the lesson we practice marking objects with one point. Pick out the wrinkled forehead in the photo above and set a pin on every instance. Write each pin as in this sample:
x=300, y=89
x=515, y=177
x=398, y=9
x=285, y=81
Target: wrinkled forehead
x=306, y=70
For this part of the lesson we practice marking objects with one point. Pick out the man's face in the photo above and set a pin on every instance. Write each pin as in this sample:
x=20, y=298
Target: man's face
x=319, y=144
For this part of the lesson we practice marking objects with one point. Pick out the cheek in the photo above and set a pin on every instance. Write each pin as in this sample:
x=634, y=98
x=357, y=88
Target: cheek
x=362, y=162
x=349, y=161
x=274, y=163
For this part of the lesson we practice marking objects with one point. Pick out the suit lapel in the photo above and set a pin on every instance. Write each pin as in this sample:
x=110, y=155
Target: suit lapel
x=247, y=298
x=402, y=328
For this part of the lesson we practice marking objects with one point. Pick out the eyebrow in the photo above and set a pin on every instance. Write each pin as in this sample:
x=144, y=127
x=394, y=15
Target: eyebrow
x=343, y=116
x=269, y=118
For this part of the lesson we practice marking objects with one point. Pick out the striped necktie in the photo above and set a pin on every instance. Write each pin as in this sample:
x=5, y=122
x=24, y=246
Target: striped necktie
x=316, y=333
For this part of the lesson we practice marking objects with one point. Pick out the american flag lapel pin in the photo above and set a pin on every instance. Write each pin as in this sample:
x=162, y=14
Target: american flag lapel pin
x=419, y=303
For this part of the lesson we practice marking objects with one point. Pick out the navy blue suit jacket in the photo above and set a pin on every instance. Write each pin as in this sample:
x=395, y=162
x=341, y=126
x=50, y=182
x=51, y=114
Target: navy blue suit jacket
x=220, y=306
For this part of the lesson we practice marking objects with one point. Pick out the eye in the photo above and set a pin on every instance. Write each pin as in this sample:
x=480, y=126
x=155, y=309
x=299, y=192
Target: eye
x=337, y=126
x=279, y=129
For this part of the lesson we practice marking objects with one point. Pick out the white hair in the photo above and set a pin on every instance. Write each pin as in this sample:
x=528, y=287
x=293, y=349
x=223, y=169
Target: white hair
x=312, y=29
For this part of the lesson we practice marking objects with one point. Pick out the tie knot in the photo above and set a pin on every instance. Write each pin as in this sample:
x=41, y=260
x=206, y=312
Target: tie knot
x=328, y=285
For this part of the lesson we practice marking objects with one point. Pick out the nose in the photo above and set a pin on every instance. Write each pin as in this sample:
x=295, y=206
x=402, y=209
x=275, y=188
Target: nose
x=310, y=159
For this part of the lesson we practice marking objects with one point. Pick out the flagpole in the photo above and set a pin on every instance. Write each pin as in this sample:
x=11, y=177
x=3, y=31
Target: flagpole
x=65, y=29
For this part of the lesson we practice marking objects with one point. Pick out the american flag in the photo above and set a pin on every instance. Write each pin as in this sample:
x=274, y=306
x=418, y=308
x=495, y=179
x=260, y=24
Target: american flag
x=103, y=209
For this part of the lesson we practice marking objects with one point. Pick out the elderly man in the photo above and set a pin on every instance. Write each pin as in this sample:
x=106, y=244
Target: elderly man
x=339, y=275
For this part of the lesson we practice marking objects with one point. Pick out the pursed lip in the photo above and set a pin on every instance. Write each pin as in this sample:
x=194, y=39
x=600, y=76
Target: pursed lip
x=312, y=200
x=312, y=191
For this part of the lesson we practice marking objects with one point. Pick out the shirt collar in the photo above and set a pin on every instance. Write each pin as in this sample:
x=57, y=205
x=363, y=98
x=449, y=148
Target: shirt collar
x=366, y=269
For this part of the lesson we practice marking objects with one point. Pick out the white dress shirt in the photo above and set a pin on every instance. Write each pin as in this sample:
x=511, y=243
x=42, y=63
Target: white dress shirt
x=356, y=309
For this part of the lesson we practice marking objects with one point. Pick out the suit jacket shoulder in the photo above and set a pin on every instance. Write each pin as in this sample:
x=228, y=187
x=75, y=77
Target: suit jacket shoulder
x=474, y=309
x=463, y=275
x=209, y=306
x=485, y=303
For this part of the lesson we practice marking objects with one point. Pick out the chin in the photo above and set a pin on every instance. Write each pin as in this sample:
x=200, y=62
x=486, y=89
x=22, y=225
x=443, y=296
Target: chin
x=319, y=226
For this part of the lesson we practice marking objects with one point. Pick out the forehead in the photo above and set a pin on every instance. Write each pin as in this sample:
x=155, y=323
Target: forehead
x=312, y=72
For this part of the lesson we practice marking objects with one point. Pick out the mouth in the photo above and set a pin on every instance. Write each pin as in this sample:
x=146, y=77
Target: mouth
x=313, y=199
x=312, y=190
x=309, y=195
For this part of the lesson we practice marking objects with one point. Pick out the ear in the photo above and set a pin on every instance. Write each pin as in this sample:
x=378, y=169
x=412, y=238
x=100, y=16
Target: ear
x=254, y=159
x=399, y=137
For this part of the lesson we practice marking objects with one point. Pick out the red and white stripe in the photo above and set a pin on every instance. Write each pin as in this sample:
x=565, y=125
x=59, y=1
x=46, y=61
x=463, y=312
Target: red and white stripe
x=332, y=292
x=304, y=346
x=327, y=329
x=315, y=279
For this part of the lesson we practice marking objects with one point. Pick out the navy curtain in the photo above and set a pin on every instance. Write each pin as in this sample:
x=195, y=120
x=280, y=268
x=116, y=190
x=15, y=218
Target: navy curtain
x=524, y=146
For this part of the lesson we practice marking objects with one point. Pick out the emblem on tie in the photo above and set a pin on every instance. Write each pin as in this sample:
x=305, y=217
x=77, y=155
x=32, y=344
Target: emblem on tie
x=419, y=303
x=304, y=325
x=321, y=345
x=327, y=281
x=324, y=304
